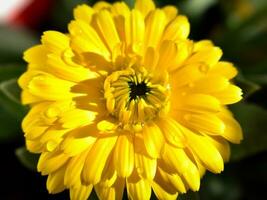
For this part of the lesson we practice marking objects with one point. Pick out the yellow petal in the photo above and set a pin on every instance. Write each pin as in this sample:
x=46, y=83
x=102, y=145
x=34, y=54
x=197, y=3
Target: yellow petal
x=36, y=55
x=162, y=189
x=137, y=30
x=202, y=44
x=222, y=146
x=113, y=192
x=153, y=139
x=48, y=87
x=106, y=28
x=138, y=188
x=47, y=160
x=96, y=159
x=178, y=159
x=200, y=103
x=232, y=94
x=209, y=123
x=177, y=182
x=86, y=39
x=233, y=131
x=145, y=166
x=155, y=24
x=144, y=6
x=172, y=132
x=123, y=155
x=170, y=12
x=178, y=29
x=73, y=170
x=80, y=192
x=120, y=8
x=225, y=69
x=34, y=146
x=209, y=84
x=151, y=59
x=76, y=118
x=73, y=146
x=206, y=151
x=55, y=181
x=83, y=12
x=55, y=42
x=167, y=55
x=209, y=56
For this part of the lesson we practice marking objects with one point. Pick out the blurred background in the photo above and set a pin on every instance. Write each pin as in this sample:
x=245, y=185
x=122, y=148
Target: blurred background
x=239, y=27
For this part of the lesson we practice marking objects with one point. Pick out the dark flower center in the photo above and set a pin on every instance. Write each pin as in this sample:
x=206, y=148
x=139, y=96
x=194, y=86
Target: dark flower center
x=138, y=90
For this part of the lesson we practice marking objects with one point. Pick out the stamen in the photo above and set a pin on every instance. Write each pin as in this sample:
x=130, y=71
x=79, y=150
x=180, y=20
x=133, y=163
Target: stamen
x=134, y=97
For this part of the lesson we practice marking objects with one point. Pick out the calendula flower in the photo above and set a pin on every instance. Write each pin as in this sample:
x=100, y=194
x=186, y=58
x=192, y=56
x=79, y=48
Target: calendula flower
x=126, y=100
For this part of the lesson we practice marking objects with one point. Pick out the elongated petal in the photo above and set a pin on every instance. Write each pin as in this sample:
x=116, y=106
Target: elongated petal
x=80, y=192
x=153, y=139
x=96, y=159
x=206, y=151
x=55, y=181
x=144, y=6
x=178, y=159
x=113, y=192
x=124, y=155
x=172, y=132
x=138, y=188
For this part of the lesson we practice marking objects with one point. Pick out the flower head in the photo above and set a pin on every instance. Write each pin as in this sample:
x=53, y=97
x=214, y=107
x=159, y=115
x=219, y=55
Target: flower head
x=126, y=100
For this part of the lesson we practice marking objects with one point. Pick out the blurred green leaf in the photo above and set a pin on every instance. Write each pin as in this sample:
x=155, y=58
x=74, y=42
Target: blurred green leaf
x=259, y=78
x=11, y=110
x=253, y=120
x=26, y=158
x=11, y=89
x=13, y=42
x=196, y=8
x=248, y=87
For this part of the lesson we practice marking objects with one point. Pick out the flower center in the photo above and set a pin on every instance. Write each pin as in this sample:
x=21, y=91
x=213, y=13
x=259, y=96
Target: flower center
x=134, y=97
x=138, y=90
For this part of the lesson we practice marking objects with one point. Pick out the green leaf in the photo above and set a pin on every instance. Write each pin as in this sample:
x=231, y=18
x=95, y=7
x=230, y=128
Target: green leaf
x=11, y=89
x=253, y=120
x=196, y=8
x=29, y=160
x=248, y=87
x=11, y=109
x=13, y=42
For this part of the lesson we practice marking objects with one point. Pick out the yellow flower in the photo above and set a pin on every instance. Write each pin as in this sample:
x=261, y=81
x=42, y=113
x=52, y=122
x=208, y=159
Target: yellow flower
x=126, y=100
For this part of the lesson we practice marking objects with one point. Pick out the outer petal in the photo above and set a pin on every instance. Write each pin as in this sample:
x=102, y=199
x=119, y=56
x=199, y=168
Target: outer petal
x=80, y=192
x=55, y=181
x=96, y=159
x=138, y=188
x=113, y=192
x=123, y=155
x=144, y=6
x=178, y=29
x=153, y=139
x=178, y=159
x=206, y=152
